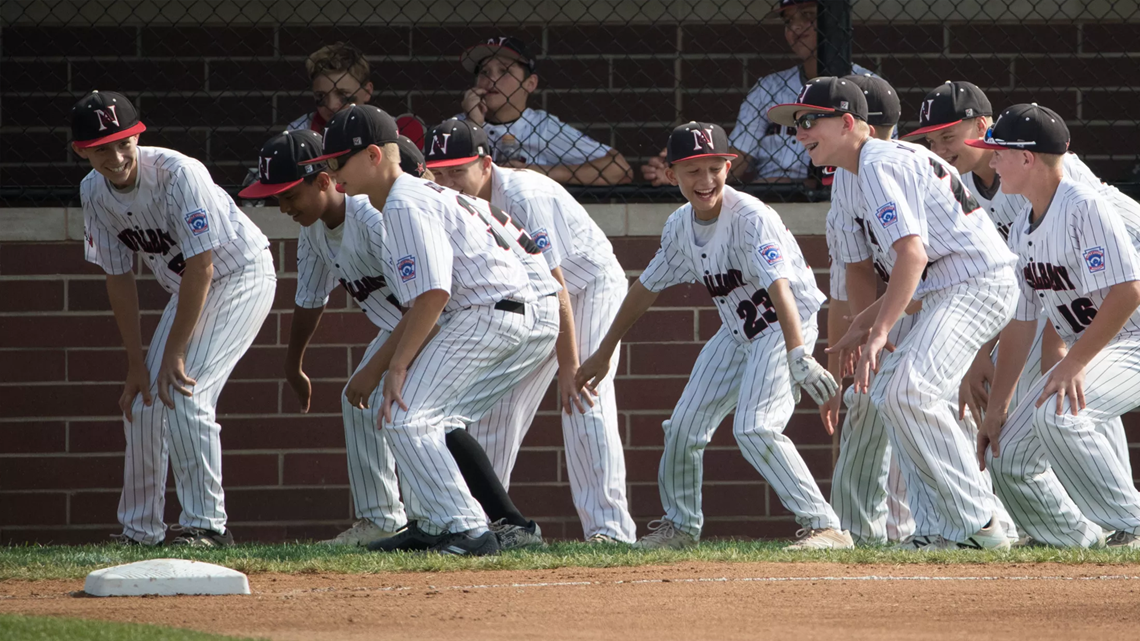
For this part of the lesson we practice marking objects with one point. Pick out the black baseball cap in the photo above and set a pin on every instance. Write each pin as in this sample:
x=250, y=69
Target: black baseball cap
x=826, y=94
x=883, y=107
x=507, y=46
x=697, y=140
x=784, y=4
x=411, y=158
x=1028, y=127
x=948, y=105
x=355, y=128
x=278, y=167
x=455, y=142
x=101, y=117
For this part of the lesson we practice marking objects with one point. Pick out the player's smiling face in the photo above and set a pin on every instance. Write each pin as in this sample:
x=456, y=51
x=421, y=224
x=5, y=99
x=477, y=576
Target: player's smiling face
x=1011, y=165
x=303, y=202
x=701, y=181
x=468, y=178
x=353, y=174
x=116, y=161
x=822, y=139
x=950, y=144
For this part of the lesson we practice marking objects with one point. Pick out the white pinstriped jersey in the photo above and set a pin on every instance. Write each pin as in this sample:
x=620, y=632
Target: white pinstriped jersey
x=357, y=264
x=540, y=138
x=441, y=239
x=1081, y=247
x=907, y=190
x=174, y=212
x=837, y=269
x=750, y=250
x=774, y=148
x=559, y=226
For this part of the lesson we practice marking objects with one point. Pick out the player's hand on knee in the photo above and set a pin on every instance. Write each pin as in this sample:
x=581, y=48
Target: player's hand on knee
x=810, y=376
x=172, y=375
x=974, y=392
x=360, y=388
x=302, y=386
x=138, y=382
x=989, y=435
x=1067, y=379
x=393, y=388
x=571, y=394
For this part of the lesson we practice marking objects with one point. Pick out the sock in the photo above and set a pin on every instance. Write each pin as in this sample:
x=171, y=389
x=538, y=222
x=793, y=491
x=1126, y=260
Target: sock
x=481, y=479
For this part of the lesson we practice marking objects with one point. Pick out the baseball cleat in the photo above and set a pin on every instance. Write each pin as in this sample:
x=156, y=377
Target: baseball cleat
x=991, y=537
x=663, y=535
x=200, y=538
x=409, y=539
x=1123, y=539
x=124, y=540
x=1028, y=542
x=822, y=539
x=360, y=534
x=463, y=544
x=514, y=537
x=921, y=543
x=603, y=539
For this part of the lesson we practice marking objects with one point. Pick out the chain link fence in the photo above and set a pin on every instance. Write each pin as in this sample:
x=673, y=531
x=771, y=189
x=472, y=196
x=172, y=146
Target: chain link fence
x=587, y=91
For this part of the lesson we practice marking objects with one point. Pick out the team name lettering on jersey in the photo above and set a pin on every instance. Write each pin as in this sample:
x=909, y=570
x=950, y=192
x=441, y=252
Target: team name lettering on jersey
x=361, y=288
x=1043, y=276
x=150, y=241
x=723, y=284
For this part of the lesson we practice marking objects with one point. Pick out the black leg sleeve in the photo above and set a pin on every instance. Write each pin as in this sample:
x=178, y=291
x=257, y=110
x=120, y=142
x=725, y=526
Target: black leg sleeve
x=481, y=479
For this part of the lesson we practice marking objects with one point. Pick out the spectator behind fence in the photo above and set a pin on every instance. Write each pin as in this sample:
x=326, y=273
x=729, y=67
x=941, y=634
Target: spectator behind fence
x=770, y=151
x=523, y=137
x=339, y=74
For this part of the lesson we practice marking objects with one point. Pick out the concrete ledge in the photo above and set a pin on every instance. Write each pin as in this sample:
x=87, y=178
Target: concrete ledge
x=55, y=224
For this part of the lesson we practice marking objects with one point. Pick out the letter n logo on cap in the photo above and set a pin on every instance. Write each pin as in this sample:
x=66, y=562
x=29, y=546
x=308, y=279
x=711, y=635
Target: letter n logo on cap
x=439, y=143
x=804, y=93
x=924, y=113
x=263, y=167
x=704, y=136
x=107, y=117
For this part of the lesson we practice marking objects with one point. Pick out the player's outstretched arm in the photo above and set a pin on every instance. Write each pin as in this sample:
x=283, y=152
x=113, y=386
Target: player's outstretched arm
x=305, y=321
x=1016, y=342
x=594, y=369
x=807, y=374
x=610, y=169
x=566, y=349
x=192, y=292
x=837, y=324
x=124, y=297
x=973, y=392
x=418, y=324
x=365, y=380
x=1067, y=378
x=911, y=260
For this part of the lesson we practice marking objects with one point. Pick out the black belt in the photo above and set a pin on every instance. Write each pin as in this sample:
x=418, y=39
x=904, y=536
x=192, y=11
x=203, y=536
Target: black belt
x=511, y=306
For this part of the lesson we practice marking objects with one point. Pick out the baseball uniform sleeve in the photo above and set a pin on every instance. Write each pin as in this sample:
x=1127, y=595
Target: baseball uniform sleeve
x=421, y=256
x=669, y=265
x=837, y=269
x=894, y=202
x=200, y=218
x=1105, y=255
x=768, y=257
x=543, y=218
x=103, y=248
x=314, y=278
x=565, y=145
x=751, y=120
x=845, y=226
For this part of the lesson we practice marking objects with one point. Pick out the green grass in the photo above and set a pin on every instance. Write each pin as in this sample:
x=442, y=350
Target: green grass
x=22, y=628
x=58, y=562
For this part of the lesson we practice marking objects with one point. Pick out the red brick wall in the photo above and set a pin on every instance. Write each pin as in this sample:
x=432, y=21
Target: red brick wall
x=216, y=92
x=61, y=440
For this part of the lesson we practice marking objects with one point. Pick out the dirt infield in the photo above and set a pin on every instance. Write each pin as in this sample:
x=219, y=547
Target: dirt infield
x=728, y=601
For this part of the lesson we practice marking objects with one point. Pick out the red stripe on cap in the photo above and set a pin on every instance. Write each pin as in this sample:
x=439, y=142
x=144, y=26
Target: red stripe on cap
x=925, y=130
x=450, y=162
x=137, y=128
x=979, y=143
x=704, y=156
x=264, y=190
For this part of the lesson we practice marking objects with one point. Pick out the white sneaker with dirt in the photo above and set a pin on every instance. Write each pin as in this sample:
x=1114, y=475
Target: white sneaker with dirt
x=822, y=539
x=991, y=537
x=360, y=534
x=603, y=539
x=663, y=535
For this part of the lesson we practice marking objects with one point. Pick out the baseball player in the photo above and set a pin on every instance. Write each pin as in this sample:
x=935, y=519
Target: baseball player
x=951, y=115
x=916, y=230
x=758, y=359
x=456, y=261
x=1052, y=462
x=582, y=260
x=217, y=266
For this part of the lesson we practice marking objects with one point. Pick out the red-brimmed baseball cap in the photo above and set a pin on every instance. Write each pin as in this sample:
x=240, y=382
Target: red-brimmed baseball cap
x=355, y=128
x=826, y=94
x=455, y=142
x=101, y=117
x=278, y=163
x=948, y=105
x=1027, y=127
x=507, y=46
x=697, y=140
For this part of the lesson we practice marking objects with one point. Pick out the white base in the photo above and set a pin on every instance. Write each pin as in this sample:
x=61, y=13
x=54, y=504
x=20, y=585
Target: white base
x=165, y=577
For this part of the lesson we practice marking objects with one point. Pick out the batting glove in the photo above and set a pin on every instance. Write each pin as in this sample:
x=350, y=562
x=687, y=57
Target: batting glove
x=808, y=374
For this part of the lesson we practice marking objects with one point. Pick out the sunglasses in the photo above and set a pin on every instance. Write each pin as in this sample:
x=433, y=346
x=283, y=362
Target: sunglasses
x=807, y=121
x=340, y=161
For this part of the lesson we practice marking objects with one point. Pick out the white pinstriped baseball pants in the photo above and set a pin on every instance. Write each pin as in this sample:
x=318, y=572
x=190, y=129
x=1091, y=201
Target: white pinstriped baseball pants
x=187, y=436
x=594, y=456
x=914, y=390
x=1063, y=476
x=479, y=355
x=371, y=466
x=754, y=379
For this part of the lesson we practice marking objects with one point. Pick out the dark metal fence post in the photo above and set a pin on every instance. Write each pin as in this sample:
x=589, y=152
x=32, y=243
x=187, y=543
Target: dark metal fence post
x=835, y=36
